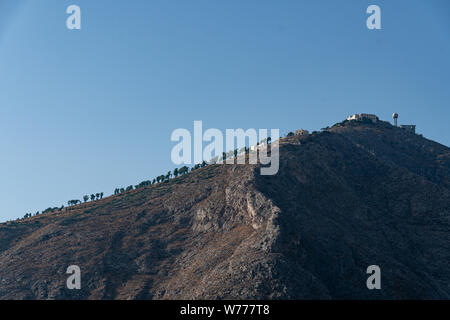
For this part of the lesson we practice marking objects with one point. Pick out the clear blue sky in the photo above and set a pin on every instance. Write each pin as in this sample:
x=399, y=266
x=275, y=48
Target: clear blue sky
x=88, y=111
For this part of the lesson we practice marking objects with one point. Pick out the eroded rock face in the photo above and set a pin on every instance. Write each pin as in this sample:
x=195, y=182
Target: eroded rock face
x=357, y=195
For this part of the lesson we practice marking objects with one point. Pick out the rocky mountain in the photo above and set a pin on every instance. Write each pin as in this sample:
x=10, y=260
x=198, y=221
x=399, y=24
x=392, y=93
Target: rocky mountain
x=354, y=195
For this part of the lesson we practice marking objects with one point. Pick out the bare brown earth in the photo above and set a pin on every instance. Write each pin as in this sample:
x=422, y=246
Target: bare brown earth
x=353, y=196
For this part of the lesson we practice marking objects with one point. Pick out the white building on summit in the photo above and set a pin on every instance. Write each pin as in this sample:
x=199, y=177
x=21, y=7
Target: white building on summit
x=363, y=116
x=374, y=119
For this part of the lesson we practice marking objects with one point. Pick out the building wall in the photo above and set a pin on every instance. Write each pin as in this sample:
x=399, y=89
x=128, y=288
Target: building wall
x=409, y=127
x=361, y=116
x=301, y=132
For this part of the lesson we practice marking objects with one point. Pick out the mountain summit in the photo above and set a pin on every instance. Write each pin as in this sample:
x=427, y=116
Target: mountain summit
x=354, y=195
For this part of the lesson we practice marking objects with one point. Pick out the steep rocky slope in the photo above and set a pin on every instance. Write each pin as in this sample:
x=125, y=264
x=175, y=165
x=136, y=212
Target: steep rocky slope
x=353, y=196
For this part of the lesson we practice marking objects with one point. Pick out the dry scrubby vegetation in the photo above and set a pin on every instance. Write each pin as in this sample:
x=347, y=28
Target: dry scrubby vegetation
x=159, y=179
x=184, y=170
x=346, y=197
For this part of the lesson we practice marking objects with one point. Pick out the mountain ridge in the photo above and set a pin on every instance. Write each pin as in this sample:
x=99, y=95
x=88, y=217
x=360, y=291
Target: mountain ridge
x=353, y=195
